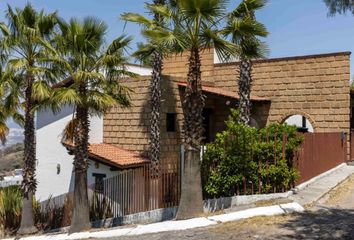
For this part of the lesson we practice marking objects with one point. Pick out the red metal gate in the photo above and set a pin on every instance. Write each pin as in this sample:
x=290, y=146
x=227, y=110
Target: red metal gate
x=321, y=152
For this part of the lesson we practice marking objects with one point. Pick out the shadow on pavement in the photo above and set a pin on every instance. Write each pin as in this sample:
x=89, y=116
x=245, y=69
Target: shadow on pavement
x=325, y=223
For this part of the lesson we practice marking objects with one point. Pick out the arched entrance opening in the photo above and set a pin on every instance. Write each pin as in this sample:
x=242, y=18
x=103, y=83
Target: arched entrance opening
x=302, y=123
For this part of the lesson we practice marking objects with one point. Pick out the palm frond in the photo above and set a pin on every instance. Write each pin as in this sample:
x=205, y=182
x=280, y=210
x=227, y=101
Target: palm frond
x=213, y=39
x=41, y=91
x=247, y=7
x=160, y=9
x=66, y=96
x=339, y=6
x=119, y=45
x=4, y=132
x=69, y=132
x=138, y=18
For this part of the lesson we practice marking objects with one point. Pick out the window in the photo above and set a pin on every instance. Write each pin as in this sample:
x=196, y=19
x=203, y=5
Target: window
x=171, y=122
x=99, y=182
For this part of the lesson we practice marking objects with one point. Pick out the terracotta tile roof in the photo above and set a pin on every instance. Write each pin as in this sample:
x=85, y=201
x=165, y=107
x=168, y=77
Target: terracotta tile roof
x=114, y=155
x=222, y=92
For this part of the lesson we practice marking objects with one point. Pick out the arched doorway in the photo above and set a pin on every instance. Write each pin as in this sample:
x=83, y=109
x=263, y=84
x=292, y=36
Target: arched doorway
x=302, y=123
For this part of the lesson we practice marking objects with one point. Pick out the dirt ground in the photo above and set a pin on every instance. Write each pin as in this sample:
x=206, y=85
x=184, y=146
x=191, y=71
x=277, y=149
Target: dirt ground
x=331, y=218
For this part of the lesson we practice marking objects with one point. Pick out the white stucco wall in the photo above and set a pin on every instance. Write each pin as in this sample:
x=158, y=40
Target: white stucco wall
x=50, y=153
x=142, y=71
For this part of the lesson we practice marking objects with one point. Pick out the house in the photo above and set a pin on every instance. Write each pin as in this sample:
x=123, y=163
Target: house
x=12, y=180
x=54, y=166
x=311, y=92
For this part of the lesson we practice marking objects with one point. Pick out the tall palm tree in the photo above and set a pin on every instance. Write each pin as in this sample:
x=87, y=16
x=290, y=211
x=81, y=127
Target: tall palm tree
x=94, y=72
x=152, y=51
x=339, y=6
x=244, y=31
x=155, y=100
x=25, y=39
x=192, y=27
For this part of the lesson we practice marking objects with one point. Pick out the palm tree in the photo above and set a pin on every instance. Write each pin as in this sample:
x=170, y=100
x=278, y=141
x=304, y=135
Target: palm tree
x=191, y=26
x=339, y=6
x=244, y=31
x=25, y=39
x=155, y=53
x=155, y=99
x=91, y=93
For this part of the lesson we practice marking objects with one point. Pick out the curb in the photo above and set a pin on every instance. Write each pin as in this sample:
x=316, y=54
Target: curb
x=177, y=225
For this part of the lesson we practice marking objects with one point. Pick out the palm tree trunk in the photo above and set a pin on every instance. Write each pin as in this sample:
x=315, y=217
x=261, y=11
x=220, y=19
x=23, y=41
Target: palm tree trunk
x=81, y=218
x=155, y=101
x=191, y=202
x=155, y=98
x=155, y=113
x=29, y=184
x=244, y=90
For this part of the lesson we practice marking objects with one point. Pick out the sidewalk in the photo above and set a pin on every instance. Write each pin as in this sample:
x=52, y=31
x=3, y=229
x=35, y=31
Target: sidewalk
x=322, y=185
x=307, y=194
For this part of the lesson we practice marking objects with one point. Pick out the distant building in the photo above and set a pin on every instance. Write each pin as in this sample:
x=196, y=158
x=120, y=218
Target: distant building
x=12, y=180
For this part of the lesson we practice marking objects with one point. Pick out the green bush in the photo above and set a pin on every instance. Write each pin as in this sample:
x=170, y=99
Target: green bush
x=244, y=160
x=10, y=212
x=10, y=208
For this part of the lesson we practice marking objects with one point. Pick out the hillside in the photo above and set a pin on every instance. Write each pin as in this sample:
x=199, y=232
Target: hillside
x=11, y=158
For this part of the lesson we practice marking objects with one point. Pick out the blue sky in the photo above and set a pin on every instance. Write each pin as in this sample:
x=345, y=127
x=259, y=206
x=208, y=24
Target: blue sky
x=297, y=27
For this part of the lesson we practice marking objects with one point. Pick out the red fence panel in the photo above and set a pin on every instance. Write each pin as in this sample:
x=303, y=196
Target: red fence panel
x=319, y=153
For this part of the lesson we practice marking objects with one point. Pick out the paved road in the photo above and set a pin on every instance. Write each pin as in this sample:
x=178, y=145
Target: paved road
x=331, y=218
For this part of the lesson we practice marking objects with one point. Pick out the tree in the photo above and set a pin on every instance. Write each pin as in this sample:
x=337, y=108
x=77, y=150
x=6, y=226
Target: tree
x=154, y=53
x=93, y=72
x=191, y=26
x=339, y=6
x=244, y=31
x=25, y=39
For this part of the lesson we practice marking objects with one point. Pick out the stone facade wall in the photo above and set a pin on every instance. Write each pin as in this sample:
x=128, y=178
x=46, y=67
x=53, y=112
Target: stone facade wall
x=314, y=86
x=129, y=127
x=176, y=66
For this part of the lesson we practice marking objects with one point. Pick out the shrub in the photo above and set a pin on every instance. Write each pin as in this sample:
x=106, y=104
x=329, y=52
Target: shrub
x=100, y=208
x=10, y=208
x=50, y=217
x=243, y=160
